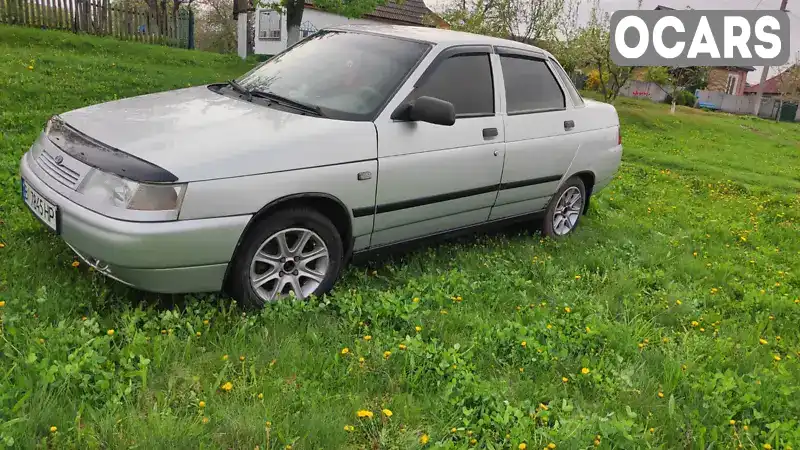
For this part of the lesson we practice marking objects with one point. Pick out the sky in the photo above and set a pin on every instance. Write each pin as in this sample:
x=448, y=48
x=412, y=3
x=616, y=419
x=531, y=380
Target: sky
x=613, y=5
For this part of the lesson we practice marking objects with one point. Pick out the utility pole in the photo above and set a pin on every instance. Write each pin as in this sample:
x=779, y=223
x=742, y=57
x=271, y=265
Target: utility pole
x=765, y=73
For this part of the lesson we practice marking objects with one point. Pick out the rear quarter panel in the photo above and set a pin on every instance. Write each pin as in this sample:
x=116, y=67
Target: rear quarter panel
x=599, y=151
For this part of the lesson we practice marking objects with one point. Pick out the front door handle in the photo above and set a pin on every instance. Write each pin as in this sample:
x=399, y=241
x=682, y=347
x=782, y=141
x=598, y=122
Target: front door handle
x=489, y=133
x=568, y=125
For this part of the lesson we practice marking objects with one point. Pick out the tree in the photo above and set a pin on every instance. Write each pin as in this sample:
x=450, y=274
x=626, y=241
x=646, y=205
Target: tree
x=789, y=82
x=473, y=16
x=529, y=20
x=594, y=43
x=673, y=80
x=216, y=29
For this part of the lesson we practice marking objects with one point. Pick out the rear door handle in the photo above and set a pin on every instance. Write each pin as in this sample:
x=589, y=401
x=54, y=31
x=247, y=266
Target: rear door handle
x=568, y=125
x=489, y=133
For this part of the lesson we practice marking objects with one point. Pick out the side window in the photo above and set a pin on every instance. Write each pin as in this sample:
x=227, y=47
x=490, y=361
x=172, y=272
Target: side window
x=530, y=85
x=577, y=100
x=463, y=80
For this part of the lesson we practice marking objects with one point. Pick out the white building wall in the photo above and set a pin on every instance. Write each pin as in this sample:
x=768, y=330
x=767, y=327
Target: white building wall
x=312, y=19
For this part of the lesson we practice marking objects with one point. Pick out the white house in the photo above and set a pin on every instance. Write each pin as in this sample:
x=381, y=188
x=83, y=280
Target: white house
x=271, y=25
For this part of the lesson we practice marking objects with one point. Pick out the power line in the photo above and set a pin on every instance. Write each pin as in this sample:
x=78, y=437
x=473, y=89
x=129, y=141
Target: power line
x=759, y=4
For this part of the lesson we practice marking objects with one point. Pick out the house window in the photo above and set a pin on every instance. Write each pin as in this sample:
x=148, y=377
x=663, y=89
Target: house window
x=733, y=84
x=269, y=25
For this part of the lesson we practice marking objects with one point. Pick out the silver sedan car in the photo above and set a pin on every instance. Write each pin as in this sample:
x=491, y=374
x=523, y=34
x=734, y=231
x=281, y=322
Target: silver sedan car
x=355, y=139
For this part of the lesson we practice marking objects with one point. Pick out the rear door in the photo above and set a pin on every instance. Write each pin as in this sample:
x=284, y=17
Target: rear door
x=434, y=178
x=538, y=124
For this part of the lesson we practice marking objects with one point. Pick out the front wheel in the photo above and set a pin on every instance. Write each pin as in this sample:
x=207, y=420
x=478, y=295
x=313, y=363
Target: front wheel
x=294, y=252
x=565, y=209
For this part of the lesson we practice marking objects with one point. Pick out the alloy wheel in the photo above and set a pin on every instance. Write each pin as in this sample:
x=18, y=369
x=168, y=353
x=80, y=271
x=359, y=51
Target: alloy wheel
x=294, y=260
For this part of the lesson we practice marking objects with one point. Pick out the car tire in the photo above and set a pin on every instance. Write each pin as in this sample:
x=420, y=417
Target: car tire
x=269, y=252
x=565, y=209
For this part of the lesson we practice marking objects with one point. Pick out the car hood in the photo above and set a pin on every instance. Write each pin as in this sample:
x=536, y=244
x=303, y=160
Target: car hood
x=198, y=134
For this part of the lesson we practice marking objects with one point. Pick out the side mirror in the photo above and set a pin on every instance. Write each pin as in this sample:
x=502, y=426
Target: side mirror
x=427, y=109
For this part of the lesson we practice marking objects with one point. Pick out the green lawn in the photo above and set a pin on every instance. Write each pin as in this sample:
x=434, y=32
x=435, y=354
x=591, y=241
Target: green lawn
x=641, y=331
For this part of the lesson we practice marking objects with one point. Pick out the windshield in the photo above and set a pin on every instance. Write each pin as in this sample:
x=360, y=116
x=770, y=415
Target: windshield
x=348, y=75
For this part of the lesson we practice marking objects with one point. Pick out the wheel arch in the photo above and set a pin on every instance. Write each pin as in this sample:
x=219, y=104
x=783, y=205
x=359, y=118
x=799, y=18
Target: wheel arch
x=326, y=204
x=588, y=178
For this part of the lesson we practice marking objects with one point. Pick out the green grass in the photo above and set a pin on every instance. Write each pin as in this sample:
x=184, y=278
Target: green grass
x=683, y=263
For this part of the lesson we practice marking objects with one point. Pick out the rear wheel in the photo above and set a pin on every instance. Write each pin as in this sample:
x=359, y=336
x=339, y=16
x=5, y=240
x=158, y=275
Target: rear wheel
x=565, y=209
x=294, y=252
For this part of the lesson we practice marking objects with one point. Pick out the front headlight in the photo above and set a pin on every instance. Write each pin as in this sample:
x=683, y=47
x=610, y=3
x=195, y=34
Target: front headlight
x=104, y=190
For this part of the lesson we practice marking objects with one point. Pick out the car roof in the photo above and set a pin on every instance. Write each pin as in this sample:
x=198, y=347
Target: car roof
x=437, y=36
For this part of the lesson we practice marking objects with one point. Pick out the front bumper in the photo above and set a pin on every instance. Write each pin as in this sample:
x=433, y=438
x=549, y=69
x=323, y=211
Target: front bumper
x=170, y=257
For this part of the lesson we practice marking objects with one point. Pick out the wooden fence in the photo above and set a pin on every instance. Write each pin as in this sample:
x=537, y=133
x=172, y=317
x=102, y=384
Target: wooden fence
x=159, y=26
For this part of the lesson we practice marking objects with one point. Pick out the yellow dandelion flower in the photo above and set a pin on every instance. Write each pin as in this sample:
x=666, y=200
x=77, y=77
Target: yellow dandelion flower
x=416, y=300
x=771, y=317
x=349, y=428
x=551, y=446
x=418, y=328
x=227, y=386
x=367, y=338
x=588, y=330
x=665, y=340
x=202, y=404
x=567, y=309
x=224, y=357
x=424, y=439
x=268, y=424
x=522, y=446
x=205, y=322
x=345, y=351
x=453, y=430
x=387, y=354
x=242, y=358
x=444, y=311
x=53, y=429
x=197, y=334
x=597, y=442
x=732, y=422
x=2, y=245
x=2, y=304
x=364, y=413
x=260, y=396
x=30, y=67
x=585, y=371
x=652, y=430
x=577, y=277
x=767, y=447
x=402, y=346
x=678, y=302
x=745, y=428
x=564, y=380
x=777, y=338
x=660, y=395
x=110, y=332
x=777, y=357
x=361, y=360
x=763, y=341
x=75, y=263
x=387, y=412
x=695, y=323
x=521, y=369
x=524, y=344
x=473, y=441
x=549, y=327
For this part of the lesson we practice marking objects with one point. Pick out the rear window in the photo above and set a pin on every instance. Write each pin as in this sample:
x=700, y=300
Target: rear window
x=530, y=86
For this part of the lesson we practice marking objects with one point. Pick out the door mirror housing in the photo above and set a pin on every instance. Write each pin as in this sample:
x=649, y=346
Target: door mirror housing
x=426, y=109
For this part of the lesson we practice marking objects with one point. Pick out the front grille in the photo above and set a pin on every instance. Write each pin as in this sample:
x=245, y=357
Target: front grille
x=60, y=172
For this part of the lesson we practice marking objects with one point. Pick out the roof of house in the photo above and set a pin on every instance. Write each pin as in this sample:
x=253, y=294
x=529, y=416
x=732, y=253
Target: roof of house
x=771, y=86
x=745, y=68
x=660, y=7
x=410, y=12
x=438, y=36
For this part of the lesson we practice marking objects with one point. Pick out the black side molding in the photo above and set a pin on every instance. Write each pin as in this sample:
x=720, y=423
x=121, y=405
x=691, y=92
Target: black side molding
x=422, y=201
x=106, y=158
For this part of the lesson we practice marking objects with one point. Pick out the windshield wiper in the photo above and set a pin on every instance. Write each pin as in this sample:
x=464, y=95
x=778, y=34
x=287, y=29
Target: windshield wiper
x=316, y=110
x=238, y=88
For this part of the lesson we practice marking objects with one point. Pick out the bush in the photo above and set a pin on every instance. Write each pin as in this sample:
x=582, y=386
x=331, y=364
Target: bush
x=684, y=98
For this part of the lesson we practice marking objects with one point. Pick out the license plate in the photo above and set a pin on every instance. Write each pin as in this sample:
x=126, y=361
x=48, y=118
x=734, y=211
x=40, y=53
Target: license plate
x=44, y=210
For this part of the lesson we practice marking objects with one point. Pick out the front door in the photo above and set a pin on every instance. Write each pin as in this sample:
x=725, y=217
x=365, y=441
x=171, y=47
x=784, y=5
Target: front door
x=434, y=178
